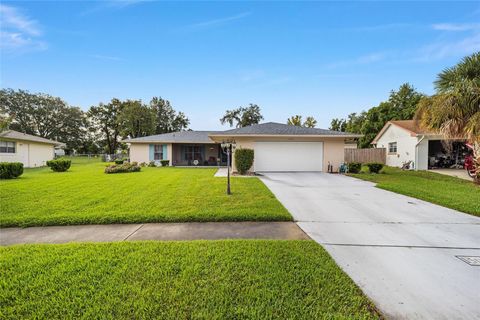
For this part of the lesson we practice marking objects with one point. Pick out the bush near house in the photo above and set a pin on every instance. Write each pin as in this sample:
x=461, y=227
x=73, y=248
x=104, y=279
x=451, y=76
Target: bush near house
x=243, y=160
x=165, y=163
x=10, y=170
x=374, y=167
x=123, y=168
x=354, y=167
x=59, y=165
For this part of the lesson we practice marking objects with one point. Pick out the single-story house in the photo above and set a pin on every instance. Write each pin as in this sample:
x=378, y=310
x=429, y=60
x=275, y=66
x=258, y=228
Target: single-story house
x=278, y=147
x=405, y=141
x=28, y=149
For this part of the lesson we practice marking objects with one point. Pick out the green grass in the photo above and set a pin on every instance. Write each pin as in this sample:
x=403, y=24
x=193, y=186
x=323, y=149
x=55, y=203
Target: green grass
x=450, y=192
x=246, y=279
x=86, y=195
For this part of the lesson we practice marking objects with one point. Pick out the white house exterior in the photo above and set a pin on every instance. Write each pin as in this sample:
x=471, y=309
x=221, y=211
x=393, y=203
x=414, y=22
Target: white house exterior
x=405, y=141
x=30, y=150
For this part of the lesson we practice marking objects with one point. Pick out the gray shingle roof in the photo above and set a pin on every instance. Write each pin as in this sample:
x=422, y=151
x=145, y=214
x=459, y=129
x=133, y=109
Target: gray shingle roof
x=15, y=135
x=269, y=128
x=273, y=128
x=177, y=137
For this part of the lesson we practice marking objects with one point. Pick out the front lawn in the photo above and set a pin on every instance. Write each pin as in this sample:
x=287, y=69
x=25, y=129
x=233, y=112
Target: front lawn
x=86, y=195
x=440, y=189
x=177, y=280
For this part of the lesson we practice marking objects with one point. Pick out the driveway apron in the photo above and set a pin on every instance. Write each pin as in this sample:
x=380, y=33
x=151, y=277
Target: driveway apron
x=407, y=255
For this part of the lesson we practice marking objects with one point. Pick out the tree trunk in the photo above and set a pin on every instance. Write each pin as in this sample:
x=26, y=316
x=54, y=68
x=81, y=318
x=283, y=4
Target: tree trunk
x=476, y=161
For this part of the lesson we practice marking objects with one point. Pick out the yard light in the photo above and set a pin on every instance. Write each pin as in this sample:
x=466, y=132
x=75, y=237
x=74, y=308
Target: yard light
x=228, y=146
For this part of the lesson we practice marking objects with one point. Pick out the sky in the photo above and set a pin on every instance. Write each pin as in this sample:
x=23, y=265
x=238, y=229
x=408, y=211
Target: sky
x=320, y=59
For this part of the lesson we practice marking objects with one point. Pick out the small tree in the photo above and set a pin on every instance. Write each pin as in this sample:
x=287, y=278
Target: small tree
x=243, y=160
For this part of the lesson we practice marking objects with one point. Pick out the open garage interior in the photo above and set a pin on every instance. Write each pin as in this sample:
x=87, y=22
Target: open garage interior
x=444, y=154
x=288, y=156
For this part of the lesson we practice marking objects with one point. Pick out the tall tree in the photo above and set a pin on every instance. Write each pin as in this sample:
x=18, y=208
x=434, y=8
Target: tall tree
x=242, y=116
x=166, y=118
x=105, y=121
x=136, y=119
x=338, y=125
x=454, y=110
x=43, y=115
x=401, y=105
x=296, y=120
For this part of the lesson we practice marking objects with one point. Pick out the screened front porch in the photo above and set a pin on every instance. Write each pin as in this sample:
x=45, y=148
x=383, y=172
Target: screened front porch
x=184, y=154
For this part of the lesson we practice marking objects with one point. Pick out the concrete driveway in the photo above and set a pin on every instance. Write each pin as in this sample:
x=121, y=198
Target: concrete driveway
x=403, y=252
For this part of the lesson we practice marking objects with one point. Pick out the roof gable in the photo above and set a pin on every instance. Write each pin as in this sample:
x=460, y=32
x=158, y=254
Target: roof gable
x=411, y=126
x=15, y=135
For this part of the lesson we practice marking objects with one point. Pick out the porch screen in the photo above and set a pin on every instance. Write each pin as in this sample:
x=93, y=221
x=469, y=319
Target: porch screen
x=191, y=153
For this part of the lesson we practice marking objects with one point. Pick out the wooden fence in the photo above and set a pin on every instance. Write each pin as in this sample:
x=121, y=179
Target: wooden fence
x=365, y=155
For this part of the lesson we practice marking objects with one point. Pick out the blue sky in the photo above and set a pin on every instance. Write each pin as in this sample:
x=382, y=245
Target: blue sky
x=325, y=59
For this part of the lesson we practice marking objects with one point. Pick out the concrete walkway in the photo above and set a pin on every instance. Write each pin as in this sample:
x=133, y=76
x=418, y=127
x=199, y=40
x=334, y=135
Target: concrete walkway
x=405, y=254
x=459, y=173
x=152, y=231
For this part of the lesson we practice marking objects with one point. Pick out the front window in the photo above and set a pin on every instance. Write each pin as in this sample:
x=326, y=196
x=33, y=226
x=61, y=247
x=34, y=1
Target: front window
x=7, y=147
x=193, y=153
x=158, y=152
x=392, y=147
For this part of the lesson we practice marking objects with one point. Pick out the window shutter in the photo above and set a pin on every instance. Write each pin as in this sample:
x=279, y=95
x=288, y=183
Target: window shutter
x=164, y=152
x=151, y=152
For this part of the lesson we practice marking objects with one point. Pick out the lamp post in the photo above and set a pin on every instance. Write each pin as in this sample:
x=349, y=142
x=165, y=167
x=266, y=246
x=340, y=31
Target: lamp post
x=228, y=146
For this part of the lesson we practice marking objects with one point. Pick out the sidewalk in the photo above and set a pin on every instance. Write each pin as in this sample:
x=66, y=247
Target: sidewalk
x=152, y=231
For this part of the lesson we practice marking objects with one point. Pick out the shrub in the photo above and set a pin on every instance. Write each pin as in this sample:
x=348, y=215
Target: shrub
x=165, y=163
x=119, y=161
x=243, y=160
x=143, y=164
x=152, y=164
x=374, y=167
x=123, y=168
x=10, y=170
x=354, y=167
x=59, y=165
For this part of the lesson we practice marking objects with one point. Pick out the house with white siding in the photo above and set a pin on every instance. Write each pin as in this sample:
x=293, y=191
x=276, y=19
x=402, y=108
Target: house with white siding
x=28, y=149
x=405, y=141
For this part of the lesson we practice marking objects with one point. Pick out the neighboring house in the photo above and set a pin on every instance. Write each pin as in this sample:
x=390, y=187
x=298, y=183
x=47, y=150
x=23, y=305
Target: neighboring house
x=278, y=147
x=405, y=141
x=30, y=150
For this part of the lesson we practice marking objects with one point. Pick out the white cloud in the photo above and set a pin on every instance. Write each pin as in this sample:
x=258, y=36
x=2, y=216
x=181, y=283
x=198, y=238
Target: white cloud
x=444, y=49
x=103, y=57
x=362, y=60
x=18, y=31
x=456, y=26
x=220, y=21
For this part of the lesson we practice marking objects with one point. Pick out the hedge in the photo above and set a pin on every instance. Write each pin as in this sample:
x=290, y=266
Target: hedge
x=10, y=170
x=123, y=168
x=354, y=167
x=59, y=165
x=243, y=160
x=374, y=167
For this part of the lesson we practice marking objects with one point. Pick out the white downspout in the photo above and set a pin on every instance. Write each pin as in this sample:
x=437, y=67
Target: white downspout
x=415, y=165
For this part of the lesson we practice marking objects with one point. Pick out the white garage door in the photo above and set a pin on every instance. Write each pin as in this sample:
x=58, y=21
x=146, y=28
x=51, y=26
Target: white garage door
x=288, y=156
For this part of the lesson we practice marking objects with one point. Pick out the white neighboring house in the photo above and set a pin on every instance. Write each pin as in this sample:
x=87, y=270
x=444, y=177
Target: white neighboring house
x=30, y=150
x=405, y=141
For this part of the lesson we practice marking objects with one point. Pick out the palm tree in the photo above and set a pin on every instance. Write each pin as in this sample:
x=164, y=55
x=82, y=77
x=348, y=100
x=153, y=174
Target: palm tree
x=295, y=120
x=454, y=110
